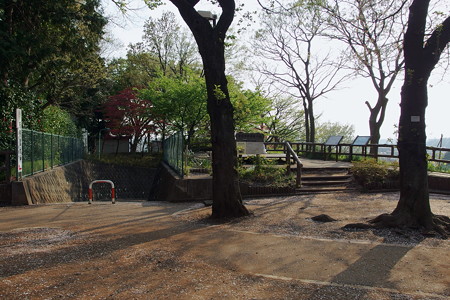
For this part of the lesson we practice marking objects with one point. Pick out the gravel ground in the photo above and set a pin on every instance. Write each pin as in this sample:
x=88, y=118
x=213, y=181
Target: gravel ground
x=147, y=250
x=292, y=216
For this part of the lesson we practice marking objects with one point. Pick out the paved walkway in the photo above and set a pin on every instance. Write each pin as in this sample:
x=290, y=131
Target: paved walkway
x=312, y=163
x=413, y=270
x=316, y=164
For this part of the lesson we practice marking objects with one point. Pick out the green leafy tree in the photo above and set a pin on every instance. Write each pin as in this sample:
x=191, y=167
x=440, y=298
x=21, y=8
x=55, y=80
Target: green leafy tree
x=12, y=97
x=137, y=69
x=57, y=121
x=68, y=83
x=36, y=34
x=327, y=129
x=250, y=108
x=180, y=103
x=285, y=120
x=172, y=47
x=51, y=47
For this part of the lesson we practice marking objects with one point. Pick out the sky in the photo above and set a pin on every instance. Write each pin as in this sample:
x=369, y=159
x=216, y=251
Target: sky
x=345, y=105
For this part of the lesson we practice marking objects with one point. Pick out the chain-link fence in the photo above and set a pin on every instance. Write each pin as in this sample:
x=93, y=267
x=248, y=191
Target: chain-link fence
x=42, y=151
x=174, y=152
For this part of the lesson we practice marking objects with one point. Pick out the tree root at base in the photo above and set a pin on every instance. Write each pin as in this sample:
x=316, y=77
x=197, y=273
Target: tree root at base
x=440, y=225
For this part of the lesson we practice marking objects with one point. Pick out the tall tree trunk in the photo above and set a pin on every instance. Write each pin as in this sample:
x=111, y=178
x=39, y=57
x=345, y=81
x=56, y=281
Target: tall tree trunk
x=376, y=119
x=307, y=125
x=312, y=122
x=163, y=135
x=190, y=134
x=413, y=208
x=227, y=200
x=134, y=145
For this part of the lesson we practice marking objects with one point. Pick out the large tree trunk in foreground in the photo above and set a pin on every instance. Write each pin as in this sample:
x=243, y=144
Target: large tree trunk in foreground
x=227, y=201
x=413, y=209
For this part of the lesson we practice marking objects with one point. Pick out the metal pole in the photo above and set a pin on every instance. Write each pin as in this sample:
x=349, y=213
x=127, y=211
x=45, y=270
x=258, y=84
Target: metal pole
x=59, y=149
x=51, y=150
x=99, y=136
x=19, y=148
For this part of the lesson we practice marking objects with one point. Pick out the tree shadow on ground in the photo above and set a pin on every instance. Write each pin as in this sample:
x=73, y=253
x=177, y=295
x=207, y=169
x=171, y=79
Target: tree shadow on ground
x=23, y=262
x=373, y=267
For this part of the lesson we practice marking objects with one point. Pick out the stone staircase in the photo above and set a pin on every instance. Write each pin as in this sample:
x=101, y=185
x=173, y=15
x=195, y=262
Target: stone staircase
x=325, y=180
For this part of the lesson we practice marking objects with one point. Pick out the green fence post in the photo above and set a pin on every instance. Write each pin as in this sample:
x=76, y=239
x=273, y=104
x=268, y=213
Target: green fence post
x=43, y=150
x=32, y=152
x=73, y=149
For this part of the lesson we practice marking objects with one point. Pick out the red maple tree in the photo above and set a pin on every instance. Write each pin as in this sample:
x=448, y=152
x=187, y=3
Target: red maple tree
x=127, y=115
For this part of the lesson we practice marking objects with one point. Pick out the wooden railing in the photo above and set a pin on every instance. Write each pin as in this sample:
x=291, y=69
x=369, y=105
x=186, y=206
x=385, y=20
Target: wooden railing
x=290, y=152
x=388, y=150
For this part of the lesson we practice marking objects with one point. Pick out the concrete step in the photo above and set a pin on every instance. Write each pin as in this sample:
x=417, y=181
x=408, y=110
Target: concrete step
x=331, y=177
x=325, y=182
x=328, y=189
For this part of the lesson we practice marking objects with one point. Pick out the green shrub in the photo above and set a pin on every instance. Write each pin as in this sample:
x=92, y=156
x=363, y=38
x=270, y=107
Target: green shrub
x=370, y=171
x=256, y=160
x=438, y=167
x=266, y=175
x=129, y=159
x=264, y=172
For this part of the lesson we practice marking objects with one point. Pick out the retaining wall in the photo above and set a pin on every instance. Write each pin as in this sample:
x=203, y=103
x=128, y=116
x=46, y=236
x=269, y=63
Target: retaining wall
x=5, y=193
x=70, y=183
x=439, y=182
x=170, y=187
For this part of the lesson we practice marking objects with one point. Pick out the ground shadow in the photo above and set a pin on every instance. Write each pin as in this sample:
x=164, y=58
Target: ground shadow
x=373, y=267
x=84, y=252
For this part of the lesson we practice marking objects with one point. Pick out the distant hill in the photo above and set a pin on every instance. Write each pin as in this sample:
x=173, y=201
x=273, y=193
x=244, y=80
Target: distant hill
x=435, y=142
x=430, y=142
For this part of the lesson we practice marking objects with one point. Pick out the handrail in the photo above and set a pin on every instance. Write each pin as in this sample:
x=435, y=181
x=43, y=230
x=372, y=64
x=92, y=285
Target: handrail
x=289, y=152
x=306, y=147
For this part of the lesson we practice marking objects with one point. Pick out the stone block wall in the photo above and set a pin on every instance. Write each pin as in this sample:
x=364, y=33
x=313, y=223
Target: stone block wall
x=70, y=183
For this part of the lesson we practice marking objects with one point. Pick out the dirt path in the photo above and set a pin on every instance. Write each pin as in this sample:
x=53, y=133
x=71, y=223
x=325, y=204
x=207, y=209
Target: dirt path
x=143, y=250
